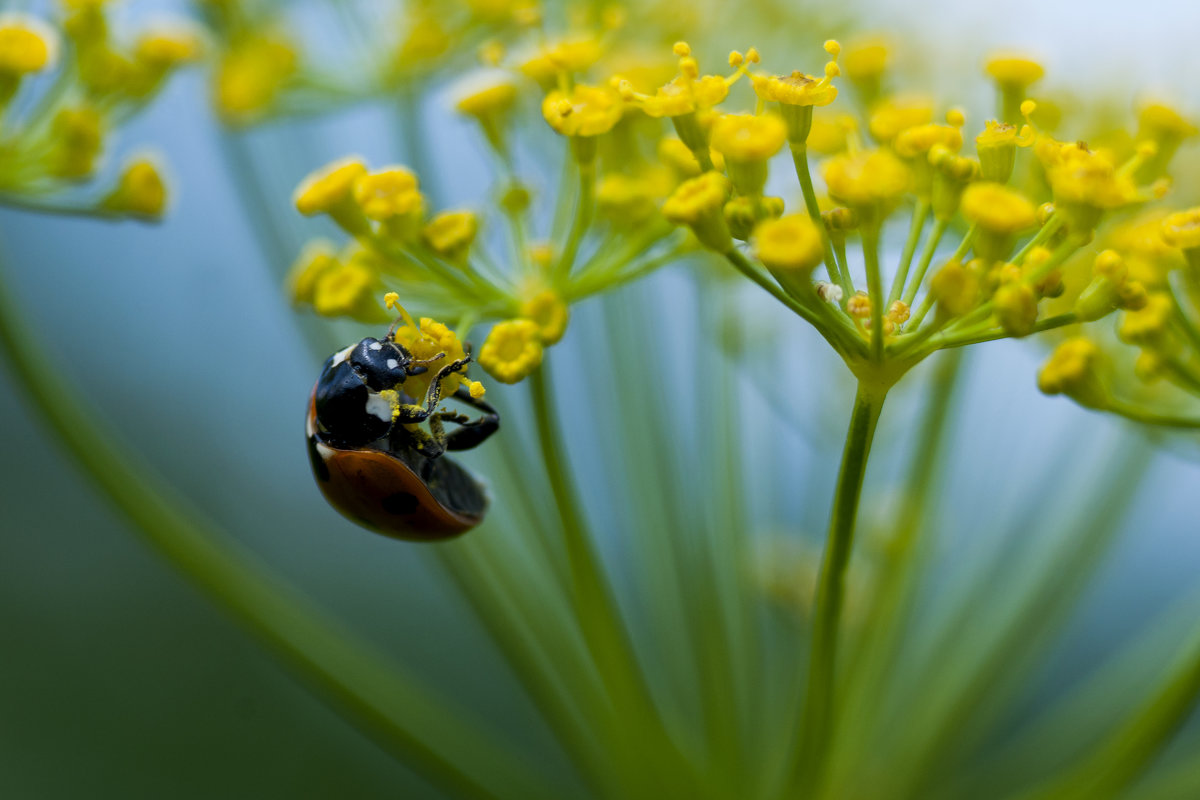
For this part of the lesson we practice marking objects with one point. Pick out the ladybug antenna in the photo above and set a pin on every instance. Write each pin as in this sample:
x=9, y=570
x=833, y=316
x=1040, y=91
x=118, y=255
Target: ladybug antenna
x=392, y=301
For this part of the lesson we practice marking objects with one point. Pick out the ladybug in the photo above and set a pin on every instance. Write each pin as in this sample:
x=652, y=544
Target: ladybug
x=373, y=461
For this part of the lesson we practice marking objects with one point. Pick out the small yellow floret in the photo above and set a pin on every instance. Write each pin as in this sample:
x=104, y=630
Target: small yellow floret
x=169, y=47
x=550, y=313
x=512, y=351
x=141, y=190
x=790, y=243
x=696, y=199
x=584, y=111
x=1147, y=325
x=1069, y=367
x=747, y=137
x=997, y=208
x=1014, y=71
x=899, y=113
x=866, y=178
x=486, y=95
x=919, y=140
x=346, y=290
x=388, y=193
x=451, y=233
x=1182, y=229
x=26, y=45
x=865, y=60
x=315, y=260
x=476, y=389
x=251, y=76
x=328, y=186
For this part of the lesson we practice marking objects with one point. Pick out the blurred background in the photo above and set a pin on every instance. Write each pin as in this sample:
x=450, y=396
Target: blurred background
x=118, y=679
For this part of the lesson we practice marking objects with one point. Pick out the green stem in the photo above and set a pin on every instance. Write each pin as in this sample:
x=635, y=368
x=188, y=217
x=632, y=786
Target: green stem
x=839, y=276
x=405, y=717
x=596, y=609
x=585, y=207
x=931, y=246
x=920, y=214
x=870, y=240
x=817, y=721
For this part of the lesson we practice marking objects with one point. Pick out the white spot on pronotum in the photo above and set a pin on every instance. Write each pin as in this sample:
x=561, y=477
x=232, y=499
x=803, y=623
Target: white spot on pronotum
x=378, y=406
x=376, y=346
x=393, y=363
x=342, y=355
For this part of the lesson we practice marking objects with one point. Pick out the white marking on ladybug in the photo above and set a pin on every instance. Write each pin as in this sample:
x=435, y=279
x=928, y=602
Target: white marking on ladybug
x=379, y=406
x=392, y=363
x=342, y=355
x=376, y=346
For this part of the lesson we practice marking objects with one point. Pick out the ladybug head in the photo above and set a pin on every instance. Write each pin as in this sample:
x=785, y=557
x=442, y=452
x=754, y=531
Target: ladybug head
x=384, y=364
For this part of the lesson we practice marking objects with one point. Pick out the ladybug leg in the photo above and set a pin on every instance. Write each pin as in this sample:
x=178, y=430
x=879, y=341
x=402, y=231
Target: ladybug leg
x=472, y=433
x=420, y=413
x=431, y=443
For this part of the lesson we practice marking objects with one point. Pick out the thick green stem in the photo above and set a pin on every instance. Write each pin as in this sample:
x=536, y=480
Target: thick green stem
x=817, y=722
x=405, y=717
x=870, y=238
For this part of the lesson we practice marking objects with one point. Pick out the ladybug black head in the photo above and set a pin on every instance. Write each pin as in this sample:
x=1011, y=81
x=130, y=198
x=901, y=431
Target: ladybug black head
x=383, y=364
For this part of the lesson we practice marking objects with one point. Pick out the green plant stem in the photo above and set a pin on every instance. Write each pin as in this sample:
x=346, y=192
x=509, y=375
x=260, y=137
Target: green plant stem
x=1121, y=758
x=1149, y=417
x=839, y=276
x=596, y=609
x=927, y=254
x=817, y=721
x=585, y=207
x=920, y=214
x=870, y=240
x=403, y=716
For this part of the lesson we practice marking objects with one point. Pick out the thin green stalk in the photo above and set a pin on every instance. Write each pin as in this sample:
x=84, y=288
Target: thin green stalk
x=585, y=207
x=1148, y=417
x=817, y=724
x=870, y=241
x=597, y=611
x=1122, y=757
x=406, y=718
x=839, y=276
x=920, y=214
x=927, y=254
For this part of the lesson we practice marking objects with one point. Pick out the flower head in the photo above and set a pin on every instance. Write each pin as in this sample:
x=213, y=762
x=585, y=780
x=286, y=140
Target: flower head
x=1014, y=70
x=426, y=341
x=866, y=179
x=140, y=191
x=388, y=193
x=791, y=243
x=583, y=111
x=512, y=351
x=251, y=76
x=799, y=89
x=998, y=209
x=1182, y=229
x=550, y=313
x=324, y=189
x=1071, y=370
x=26, y=45
x=451, y=233
x=748, y=137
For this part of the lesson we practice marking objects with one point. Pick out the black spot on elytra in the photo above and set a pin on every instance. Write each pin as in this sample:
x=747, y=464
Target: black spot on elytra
x=400, y=503
x=319, y=468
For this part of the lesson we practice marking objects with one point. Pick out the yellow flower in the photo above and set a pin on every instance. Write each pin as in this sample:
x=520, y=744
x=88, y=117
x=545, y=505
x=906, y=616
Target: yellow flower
x=315, y=260
x=141, y=190
x=1013, y=70
x=512, y=351
x=550, y=313
x=1146, y=251
x=1148, y=325
x=584, y=111
x=1182, y=229
x=998, y=209
x=747, y=137
x=328, y=187
x=566, y=55
x=696, y=199
x=1079, y=176
x=866, y=179
x=426, y=342
x=251, y=76
x=388, y=193
x=918, y=140
x=634, y=198
x=956, y=288
x=26, y=45
x=828, y=134
x=791, y=243
x=799, y=89
x=1071, y=370
x=168, y=47
x=1016, y=308
x=488, y=94
x=679, y=157
x=451, y=233
x=899, y=113
x=865, y=60
x=348, y=290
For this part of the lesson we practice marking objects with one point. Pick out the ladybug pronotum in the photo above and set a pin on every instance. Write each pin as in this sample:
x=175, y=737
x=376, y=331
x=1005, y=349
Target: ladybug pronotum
x=373, y=462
